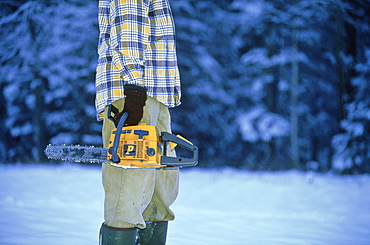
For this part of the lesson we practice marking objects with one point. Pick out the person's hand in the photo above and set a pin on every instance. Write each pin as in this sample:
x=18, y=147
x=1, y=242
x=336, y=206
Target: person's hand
x=134, y=103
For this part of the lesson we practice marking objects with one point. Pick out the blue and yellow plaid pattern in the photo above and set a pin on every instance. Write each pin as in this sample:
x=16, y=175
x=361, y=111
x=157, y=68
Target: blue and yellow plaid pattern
x=136, y=46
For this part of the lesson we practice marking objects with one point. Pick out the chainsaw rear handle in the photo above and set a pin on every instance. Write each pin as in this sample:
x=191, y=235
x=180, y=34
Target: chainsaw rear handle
x=179, y=161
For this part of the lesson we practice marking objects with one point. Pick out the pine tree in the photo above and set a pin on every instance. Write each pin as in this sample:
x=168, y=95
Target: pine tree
x=47, y=61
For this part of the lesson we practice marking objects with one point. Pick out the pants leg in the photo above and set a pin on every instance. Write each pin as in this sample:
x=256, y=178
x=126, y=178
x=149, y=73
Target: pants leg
x=133, y=196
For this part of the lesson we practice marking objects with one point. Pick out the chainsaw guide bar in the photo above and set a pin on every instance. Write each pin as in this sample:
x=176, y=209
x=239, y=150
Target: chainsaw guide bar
x=77, y=153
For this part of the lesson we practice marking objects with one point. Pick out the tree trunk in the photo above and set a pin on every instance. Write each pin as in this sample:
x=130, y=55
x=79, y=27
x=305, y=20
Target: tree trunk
x=294, y=104
x=38, y=124
x=271, y=99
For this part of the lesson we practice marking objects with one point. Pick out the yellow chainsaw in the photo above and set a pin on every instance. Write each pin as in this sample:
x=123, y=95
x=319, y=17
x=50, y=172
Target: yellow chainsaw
x=138, y=146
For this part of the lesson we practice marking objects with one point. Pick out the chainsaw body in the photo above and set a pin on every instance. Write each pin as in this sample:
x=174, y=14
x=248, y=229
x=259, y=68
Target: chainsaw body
x=141, y=147
x=138, y=146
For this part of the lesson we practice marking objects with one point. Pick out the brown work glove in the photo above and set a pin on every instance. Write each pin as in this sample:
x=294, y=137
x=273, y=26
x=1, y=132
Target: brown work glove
x=134, y=103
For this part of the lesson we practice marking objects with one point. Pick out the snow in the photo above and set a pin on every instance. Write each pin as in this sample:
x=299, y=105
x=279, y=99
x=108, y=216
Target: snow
x=63, y=204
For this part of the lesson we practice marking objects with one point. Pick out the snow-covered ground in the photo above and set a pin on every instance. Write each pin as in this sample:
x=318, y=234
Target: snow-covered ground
x=62, y=204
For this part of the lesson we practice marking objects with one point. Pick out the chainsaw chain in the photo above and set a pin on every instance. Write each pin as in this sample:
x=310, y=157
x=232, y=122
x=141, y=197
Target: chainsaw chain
x=77, y=153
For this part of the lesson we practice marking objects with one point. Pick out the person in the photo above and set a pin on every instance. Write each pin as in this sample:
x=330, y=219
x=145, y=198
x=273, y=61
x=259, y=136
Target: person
x=137, y=72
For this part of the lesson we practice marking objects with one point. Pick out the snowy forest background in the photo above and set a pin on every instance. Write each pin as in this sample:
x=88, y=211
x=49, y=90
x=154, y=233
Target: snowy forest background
x=267, y=84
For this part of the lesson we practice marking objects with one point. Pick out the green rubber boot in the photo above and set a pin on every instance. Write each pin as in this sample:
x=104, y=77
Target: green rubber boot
x=155, y=233
x=117, y=236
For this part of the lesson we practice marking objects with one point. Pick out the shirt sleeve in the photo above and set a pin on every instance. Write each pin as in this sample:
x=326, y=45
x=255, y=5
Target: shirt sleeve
x=129, y=38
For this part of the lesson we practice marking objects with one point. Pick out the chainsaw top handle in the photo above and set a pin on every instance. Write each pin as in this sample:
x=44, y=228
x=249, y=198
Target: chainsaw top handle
x=121, y=122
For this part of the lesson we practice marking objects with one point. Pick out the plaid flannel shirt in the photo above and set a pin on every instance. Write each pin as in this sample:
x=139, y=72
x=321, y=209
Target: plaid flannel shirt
x=136, y=46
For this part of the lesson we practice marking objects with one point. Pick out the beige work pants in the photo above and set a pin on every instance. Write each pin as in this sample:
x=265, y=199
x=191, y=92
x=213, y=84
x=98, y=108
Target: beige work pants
x=133, y=196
